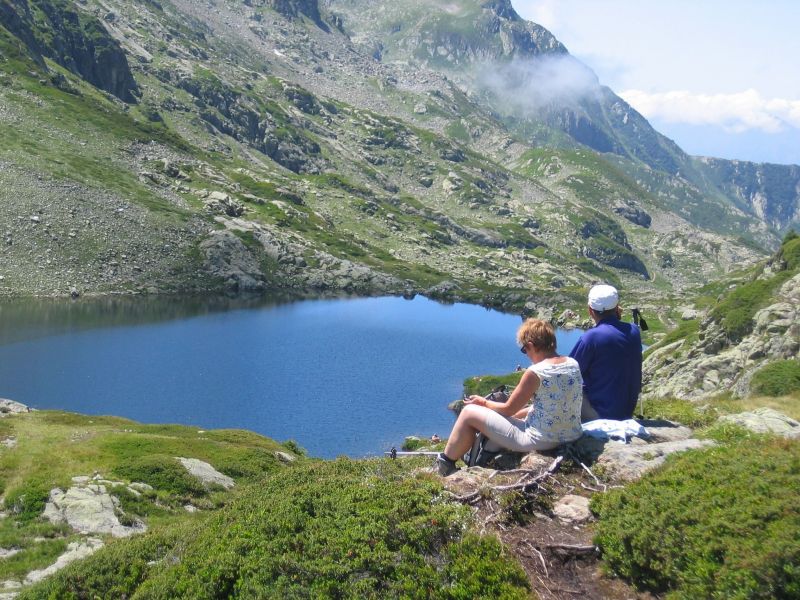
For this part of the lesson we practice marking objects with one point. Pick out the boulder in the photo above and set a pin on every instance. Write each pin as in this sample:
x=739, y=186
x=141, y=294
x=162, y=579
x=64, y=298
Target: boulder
x=285, y=457
x=207, y=474
x=765, y=420
x=88, y=509
x=10, y=407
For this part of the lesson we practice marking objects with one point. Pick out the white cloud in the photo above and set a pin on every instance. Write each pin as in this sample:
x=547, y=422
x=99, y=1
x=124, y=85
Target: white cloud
x=735, y=113
x=527, y=84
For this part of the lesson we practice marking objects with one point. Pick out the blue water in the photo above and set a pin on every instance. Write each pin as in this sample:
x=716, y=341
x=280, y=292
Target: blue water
x=345, y=376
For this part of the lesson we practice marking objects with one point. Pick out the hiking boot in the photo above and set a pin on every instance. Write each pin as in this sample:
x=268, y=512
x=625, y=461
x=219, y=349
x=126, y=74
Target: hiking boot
x=444, y=466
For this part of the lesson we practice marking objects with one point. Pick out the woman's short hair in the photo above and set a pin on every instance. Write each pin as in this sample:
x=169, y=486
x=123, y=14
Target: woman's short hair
x=539, y=333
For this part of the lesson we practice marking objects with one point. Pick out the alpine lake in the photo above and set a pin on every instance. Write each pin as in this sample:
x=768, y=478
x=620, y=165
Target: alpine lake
x=339, y=376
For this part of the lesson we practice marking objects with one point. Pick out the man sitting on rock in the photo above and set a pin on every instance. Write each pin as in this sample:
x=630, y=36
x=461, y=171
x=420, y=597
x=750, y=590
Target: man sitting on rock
x=610, y=358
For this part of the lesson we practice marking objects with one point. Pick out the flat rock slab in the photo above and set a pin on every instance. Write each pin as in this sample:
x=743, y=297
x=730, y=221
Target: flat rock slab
x=628, y=462
x=664, y=431
x=75, y=551
x=572, y=509
x=765, y=420
x=89, y=509
x=8, y=552
x=206, y=473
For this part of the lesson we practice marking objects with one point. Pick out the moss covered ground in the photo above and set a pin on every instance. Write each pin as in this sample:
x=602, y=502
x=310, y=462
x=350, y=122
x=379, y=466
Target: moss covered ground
x=52, y=447
x=718, y=523
x=336, y=529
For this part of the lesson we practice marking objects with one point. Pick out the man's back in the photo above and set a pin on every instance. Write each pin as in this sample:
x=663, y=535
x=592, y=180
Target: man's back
x=610, y=357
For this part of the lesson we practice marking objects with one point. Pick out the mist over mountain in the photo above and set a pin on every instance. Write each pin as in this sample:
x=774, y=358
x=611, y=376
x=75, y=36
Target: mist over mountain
x=448, y=148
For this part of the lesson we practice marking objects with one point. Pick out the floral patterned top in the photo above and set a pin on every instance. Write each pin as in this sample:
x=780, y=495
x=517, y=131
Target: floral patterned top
x=556, y=409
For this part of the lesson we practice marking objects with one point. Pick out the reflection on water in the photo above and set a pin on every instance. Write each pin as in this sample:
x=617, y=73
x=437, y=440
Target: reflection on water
x=342, y=376
x=32, y=318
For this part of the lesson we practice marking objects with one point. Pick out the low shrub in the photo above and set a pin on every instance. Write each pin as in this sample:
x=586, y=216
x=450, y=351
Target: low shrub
x=26, y=502
x=118, y=570
x=293, y=447
x=162, y=472
x=336, y=529
x=720, y=523
x=486, y=383
x=779, y=378
x=679, y=411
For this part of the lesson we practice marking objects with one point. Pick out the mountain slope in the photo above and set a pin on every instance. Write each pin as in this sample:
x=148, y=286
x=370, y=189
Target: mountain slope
x=265, y=149
x=520, y=70
x=752, y=323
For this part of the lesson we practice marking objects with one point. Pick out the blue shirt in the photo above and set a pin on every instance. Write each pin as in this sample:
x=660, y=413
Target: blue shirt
x=610, y=357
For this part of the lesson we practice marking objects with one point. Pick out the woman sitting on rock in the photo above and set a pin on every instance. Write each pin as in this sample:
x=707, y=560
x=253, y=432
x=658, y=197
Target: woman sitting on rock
x=553, y=382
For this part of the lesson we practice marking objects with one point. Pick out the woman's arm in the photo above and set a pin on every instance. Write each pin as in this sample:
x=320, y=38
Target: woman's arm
x=522, y=414
x=519, y=397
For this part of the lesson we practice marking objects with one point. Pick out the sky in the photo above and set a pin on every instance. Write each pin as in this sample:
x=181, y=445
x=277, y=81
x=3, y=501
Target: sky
x=719, y=77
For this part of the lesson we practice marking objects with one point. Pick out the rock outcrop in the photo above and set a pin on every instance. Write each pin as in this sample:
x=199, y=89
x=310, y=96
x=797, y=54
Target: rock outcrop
x=765, y=420
x=207, y=474
x=713, y=364
x=90, y=509
x=75, y=40
x=75, y=551
x=11, y=407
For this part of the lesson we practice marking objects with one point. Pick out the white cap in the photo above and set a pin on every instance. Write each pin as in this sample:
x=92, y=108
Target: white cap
x=603, y=298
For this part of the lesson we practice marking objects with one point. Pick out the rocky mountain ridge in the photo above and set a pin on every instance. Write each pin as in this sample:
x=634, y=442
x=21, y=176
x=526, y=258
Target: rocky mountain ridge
x=264, y=148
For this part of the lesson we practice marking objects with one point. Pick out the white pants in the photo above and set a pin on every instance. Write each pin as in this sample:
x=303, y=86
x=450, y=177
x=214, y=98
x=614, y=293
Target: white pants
x=512, y=434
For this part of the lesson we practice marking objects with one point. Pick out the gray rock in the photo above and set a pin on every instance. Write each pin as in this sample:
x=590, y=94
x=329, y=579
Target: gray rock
x=88, y=509
x=227, y=257
x=628, y=462
x=220, y=203
x=10, y=407
x=75, y=551
x=141, y=487
x=572, y=509
x=765, y=420
x=286, y=457
x=665, y=431
x=9, y=442
x=207, y=474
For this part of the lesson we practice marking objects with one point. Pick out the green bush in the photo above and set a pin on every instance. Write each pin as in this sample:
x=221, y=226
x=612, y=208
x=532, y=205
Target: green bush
x=721, y=523
x=337, y=529
x=164, y=473
x=118, y=570
x=486, y=383
x=779, y=378
x=27, y=501
x=735, y=312
x=293, y=447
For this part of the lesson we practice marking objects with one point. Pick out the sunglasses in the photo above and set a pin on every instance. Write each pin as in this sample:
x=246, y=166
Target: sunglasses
x=522, y=348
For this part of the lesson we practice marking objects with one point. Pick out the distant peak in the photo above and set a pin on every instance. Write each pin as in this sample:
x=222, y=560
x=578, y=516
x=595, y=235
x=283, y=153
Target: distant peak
x=502, y=8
